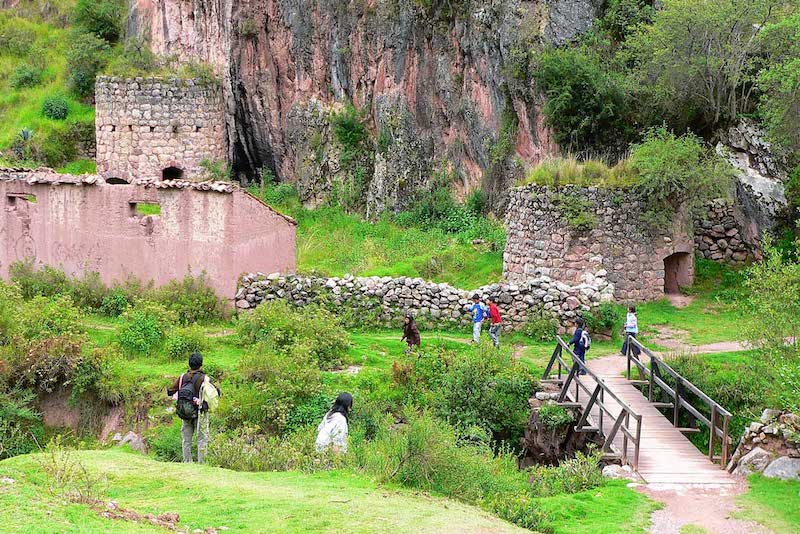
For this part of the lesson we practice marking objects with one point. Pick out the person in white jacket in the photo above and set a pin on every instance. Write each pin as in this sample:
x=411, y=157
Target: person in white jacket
x=332, y=430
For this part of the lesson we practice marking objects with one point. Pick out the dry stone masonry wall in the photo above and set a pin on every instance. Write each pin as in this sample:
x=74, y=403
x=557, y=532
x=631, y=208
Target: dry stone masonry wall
x=638, y=263
x=147, y=125
x=770, y=446
x=720, y=235
x=385, y=300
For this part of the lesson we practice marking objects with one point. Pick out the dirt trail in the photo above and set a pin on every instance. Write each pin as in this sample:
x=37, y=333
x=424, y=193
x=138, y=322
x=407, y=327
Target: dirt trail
x=673, y=339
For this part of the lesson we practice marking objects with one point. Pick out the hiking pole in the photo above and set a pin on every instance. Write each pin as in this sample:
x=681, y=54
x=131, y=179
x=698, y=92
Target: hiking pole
x=199, y=414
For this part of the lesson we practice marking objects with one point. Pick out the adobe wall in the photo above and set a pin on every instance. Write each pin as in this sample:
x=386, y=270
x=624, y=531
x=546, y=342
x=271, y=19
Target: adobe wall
x=144, y=125
x=80, y=223
x=541, y=242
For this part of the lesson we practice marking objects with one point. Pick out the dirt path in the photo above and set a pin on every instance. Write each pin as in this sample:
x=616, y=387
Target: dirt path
x=673, y=339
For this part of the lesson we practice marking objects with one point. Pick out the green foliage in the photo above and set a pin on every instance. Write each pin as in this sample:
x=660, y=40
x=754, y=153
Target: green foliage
x=279, y=196
x=26, y=75
x=97, y=375
x=143, y=328
x=311, y=330
x=216, y=170
x=87, y=55
x=622, y=17
x=554, y=416
x=770, y=502
x=588, y=173
x=10, y=302
x=351, y=133
x=576, y=211
x=676, y=173
x=190, y=299
x=570, y=476
x=48, y=317
x=101, y=17
x=21, y=428
x=540, y=326
x=55, y=107
x=182, y=342
x=31, y=282
x=604, y=319
x=248, y=28
x=16, y=36
x=246, y=450
x=48, y=363
x=586, y=104
x=164, y=442
x=115, y=302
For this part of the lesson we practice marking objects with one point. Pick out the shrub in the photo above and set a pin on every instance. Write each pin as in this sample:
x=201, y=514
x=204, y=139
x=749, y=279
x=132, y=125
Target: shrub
x=21, y=429
x=351, y=133
x=605, y=319
x=89, y=292
x=191, y=299
x=277, y=195
x=101, y=17
x=10, y=302
x=554, y=416
x=87, y=55
x=26, y=75
x=143, y=327
x=182, y=342
x=43, y=317
x=49, y=363
x=97, y=374
x=569, y=171
x=540, y=326
x=16, y=36
x=286, y=329
x=576, y=211
x=570, y=476
x=164, y=442
x=55, y=107
x=45, y=282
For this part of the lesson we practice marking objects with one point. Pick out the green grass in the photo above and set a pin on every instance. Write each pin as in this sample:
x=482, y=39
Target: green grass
x=773, y=503
x=80, y=166
x=204, y=497
x=334, y=243
x=148, y=208
x=704, y=320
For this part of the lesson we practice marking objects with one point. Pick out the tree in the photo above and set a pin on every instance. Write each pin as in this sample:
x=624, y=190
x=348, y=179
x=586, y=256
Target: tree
x=87, y=55
x=701, y=57
x=101, y=17
x=676, y=173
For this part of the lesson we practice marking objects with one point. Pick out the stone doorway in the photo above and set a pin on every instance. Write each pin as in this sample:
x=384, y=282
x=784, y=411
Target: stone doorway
x=678, y=272
x=172, y=173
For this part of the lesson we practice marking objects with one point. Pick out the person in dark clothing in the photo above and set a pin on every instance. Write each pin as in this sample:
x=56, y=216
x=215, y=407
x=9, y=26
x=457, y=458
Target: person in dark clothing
x=578, y=342
x=410, y=332
x=197, y=377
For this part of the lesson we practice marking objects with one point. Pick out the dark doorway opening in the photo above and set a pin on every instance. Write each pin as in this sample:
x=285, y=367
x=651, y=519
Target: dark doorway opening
x=678, y=272
x=172, y=173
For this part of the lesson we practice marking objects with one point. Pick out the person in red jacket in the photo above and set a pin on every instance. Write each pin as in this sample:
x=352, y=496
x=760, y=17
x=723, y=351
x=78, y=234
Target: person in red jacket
x=496, y=322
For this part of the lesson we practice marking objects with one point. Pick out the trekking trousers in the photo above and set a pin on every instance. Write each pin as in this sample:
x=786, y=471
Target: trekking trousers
x=187, y=431
x=476, y=331
x=494, y=333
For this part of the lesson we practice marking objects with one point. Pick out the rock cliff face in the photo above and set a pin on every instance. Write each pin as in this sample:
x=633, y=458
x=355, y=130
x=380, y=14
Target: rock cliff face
x=440, y=82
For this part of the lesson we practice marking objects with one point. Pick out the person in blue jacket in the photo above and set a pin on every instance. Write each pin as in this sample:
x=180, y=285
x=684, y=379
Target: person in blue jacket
x=579, y=342
x=479, y=313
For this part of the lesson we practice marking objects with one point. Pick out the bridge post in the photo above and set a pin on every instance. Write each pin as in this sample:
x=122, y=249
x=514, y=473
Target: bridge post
x=677, y=409
x=713, y=433
x=653, y=363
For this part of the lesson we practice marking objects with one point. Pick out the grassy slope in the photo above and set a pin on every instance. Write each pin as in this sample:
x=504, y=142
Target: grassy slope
x=211, y=497
x=21, y=108
x=773, y=503
x=336, y=244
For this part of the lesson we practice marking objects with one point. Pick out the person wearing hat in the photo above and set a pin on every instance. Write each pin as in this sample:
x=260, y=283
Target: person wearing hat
x=194, y=377
x=410, y=332
x=479, y=313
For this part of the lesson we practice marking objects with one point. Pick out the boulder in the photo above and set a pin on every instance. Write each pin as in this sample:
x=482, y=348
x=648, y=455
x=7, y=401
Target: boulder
x=754, y=461
x=784, y=468
x=135, y=441
x=619, y=472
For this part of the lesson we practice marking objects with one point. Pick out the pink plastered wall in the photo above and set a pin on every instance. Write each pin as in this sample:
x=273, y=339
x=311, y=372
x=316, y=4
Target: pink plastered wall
x=83, y=228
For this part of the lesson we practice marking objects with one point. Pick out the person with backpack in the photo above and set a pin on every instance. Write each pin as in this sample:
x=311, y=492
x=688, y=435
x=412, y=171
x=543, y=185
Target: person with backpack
x=332, y=430
x=194, y=396
x=410, y=332
x=581, y=341
x=631, y=330
x=496, y=321
x=479, y=313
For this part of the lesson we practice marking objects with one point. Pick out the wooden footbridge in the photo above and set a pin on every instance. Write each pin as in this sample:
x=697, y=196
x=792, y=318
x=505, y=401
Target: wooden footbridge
x=644, y=420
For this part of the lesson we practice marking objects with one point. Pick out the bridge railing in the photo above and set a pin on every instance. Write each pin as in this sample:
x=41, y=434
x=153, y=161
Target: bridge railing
x=653, y=377
x=610, y=422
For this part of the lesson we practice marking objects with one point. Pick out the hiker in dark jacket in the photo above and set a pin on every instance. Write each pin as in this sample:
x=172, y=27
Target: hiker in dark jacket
x=410, y=332
x=196, y=377
x=578, y=342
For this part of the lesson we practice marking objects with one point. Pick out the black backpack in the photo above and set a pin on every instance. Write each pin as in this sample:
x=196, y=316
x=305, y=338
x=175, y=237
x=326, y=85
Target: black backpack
x=185, y=407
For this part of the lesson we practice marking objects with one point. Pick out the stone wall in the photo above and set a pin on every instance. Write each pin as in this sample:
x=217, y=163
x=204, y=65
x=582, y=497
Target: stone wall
x=720, y=234
x=385, y=300
x=146, y=125
x=639, y=264
x=82, y=224
x=770, y=446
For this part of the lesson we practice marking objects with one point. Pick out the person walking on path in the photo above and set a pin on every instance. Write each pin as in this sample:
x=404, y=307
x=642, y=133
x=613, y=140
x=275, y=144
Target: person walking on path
x=410, y=332
x=580, y=340
x=190, y=407
x=479, y=312
x=332, y=430
x=631, y=329
x=496, y=321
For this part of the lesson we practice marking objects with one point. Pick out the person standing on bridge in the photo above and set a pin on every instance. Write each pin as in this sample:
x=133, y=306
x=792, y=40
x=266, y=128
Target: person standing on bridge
x=581, y=341
x=631, y=329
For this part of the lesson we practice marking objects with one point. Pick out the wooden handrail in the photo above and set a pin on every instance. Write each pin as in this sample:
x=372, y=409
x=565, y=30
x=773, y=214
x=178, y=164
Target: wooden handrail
x=682, y=385
x=597, y=397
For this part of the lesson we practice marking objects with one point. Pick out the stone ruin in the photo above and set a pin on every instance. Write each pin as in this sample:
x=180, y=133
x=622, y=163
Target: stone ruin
x=153, y=128
x=639, y=263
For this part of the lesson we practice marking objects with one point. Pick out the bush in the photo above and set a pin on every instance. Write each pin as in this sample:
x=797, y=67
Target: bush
x=182, y=342
x=143, y=328
x=97, y=374
x=17, y=36
x=554, y=416
x=45, y=282
x=191, y=299
x=43, y=317
x=570, y=476
x=55, y=107
x=605, y=319
x=48, y=363
x=540, y=326
x=87, y=55
x=89, y=292
x=576, y=211
x=26, y=75
x=21, y=429
x=101, y=17
x=286, y=329
x=10, y=302
x=165, y=442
